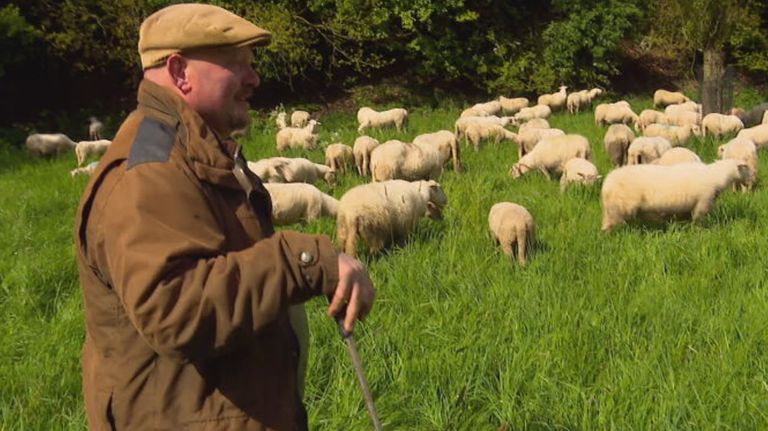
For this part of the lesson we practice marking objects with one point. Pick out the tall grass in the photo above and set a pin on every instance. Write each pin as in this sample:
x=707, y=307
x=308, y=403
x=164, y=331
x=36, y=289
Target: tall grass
x=650, y=327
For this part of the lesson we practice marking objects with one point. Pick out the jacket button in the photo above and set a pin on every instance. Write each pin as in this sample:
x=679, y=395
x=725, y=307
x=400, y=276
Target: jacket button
x=305, y=258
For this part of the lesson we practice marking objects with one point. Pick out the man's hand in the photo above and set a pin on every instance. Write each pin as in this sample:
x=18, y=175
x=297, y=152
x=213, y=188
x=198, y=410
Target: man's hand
x=354, y=291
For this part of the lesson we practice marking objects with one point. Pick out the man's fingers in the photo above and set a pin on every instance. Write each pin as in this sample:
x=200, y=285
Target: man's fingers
x=339, y=300
x=353, y=309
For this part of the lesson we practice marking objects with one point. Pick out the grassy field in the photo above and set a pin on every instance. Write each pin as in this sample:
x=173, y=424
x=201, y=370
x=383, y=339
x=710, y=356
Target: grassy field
x=650, y=327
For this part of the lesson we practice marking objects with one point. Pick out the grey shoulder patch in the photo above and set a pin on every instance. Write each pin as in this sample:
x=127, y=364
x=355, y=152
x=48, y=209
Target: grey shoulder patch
x=153, y=143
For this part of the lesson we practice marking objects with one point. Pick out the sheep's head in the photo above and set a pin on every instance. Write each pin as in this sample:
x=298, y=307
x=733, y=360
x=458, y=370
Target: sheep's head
x=720, y=151
x=436, y=199
x=695, y=129
x=330, y=177
x=519, y=169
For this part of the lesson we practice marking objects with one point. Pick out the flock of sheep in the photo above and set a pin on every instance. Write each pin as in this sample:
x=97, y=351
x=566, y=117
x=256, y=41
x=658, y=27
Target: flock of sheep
x=654, y=176
x=48, y=144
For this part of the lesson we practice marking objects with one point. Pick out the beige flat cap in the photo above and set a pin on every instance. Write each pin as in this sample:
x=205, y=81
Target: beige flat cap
x=182, y=27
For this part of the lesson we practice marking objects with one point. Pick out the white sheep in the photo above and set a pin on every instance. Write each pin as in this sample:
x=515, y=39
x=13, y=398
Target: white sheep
x=648, y=117
x=298, y=137
x=646, y=149
x=617, y=140
x=280, y=120
x=368, y=118
x=719, y=124
x=296, y=202
x=361, y=150
x=299, y=118
x=765, y=118
x=538, y=111
x=88, y=169
x=549, y=155
x=512, y=225
x=446, y=142
x=483, y=109
x=301, y=170
x=461, y=124
x=83, y=149
x=339, y=157
x=46, y=144
x=479, y=132
x=757, y=134
x=613, y=113
x=399, y=160
x=575, y=101
x=677, y=135
x=659, y=192
x=536, y=123
x=269, y=170
x=579, y=170
x=512, y=105
x=385, y=212
x=94, y=128
x=529, y=137
x=746, y=151
x=474, y=111
x=664, y=98
x=555, y=100
x=682, y=118
x=677, y=155
x=690, y=106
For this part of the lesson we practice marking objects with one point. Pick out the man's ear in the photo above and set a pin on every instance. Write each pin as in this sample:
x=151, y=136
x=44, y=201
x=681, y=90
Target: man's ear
x=177, y=69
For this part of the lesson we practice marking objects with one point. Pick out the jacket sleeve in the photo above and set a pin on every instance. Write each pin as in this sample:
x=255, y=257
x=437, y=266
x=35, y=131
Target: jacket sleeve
x=183, y=293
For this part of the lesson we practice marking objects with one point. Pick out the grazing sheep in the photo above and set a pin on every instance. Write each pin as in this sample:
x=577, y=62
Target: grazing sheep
x=299, y=118
x=661, y=192
x=664, y=98
x=683, y=107
x=368, y=118
x=575, y=100
x=446, y=142
x=301, y=170
x=298, y=137
x=648, y=117
x=296, y=202
x=514, y=105
x=613, y=113
x=555, y=100
x=549, y=155
x=386, y=212
x=536, y=123
x=394, y=160
x=94, y=129
x=757, y=134
x=270, y=170
x=483, y=109
x=339, y=157
x=83, y=149
x=528, y=138
x=753, y=117
x=89, y=169
x=47, y=144
x=646, y=149
x=719, y=124
x=677, y=135
x=617, y=140
x=362, y=153
x=682, y=118
x=511, y=224
x=677, y=155
x=474, y=111
x=280, y=121
x=538, y=111
x=476, y=133
x=462, y=123
x=746, y=151
x=579, y=170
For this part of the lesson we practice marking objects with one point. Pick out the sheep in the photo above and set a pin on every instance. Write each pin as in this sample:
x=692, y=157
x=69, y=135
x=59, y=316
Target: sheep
x=575, y=100
x=536, y=123
x=744, y=150
x=682, y=118
x=269, y=170
x=648, y=117
x=653, y=192
x=555, y=100
x=549, y=155
x=765, y=118
x=613, y=113
x=528, y=138
x=361, y=150
x=478, y=132
x=446, y=142
x=368, y=118
x=719, y=124
x=46, y=144
x=579, y=170
x=753, y=117
x=664, y=98
x=677, y=135
x=461, y=124
x=483, y=109
x=677, y=155
x=280, y=121
x=298, y=137
x=89, y=169
x=386, y=212
x=513, y=105
x=94, y=129
x=757, y=134
x=617, y=140
x=646, y=149
x=339, y=157
x=511, y=224
x=399, y=160
x=83, y=149
x=299, y=118
x=538, y=111
x=683, y=107
x=301, y=170
x=296, y=202
x=474, y=111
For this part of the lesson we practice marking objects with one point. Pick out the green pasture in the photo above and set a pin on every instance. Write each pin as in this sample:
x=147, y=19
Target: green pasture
x=651, y=327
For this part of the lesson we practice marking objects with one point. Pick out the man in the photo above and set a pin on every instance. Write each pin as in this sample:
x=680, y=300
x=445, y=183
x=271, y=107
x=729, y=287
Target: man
x=186, y=286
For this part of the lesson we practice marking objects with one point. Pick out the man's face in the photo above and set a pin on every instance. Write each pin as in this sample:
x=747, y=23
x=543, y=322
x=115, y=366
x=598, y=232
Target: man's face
x=222, y=80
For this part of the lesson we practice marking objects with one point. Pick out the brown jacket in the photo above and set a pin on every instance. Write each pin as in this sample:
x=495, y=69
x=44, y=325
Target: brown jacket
x=186, y=288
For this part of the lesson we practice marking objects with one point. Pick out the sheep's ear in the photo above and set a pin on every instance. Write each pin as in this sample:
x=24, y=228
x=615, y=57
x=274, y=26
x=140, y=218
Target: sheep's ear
x=581, y=174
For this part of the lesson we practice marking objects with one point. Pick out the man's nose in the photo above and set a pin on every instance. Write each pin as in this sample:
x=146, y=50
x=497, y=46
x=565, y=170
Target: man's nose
x=252, y=78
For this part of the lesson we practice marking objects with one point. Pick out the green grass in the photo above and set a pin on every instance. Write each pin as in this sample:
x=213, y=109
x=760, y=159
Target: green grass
x=650, y=327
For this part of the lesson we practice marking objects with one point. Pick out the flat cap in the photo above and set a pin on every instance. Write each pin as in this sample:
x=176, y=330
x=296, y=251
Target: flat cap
x=187, y=26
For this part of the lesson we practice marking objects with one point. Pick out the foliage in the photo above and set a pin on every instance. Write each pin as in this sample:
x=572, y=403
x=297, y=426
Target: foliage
x=17, y=38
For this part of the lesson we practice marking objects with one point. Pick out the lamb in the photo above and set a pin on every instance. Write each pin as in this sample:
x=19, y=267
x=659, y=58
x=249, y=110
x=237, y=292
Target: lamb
x=676, y=156
x=575, y=99
x=511, y=224
x=613, y=113
x=538, y=111
x=298, y=137
x=664, y=98
x=478, y=132
x=719, y=124
x=83, y=149
x=386, y=212
x=399, y=160
x=474, y=111
x=94, y=129
x=555, y=100
x=299, y=118
x=280, y=121
x=653, y=192
x=682, y=118
x=536, y=123
x=648, y=117
x=677, y=135
x=461, y=124
x=483, y=109
x=89, y=169
x=300, y=170
x=361, y=150
x=46, y=144
x=549, y=155
x=446, y=142
x=746, y=151
x=579, y=170
x=513, y=105
x=645, y=149
x=296, y=202
x=757, y=134
x=368, y=118
x=617, y=140
x=528, y=138
x=683, y=107
x=270, y=170
x=339, y=157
